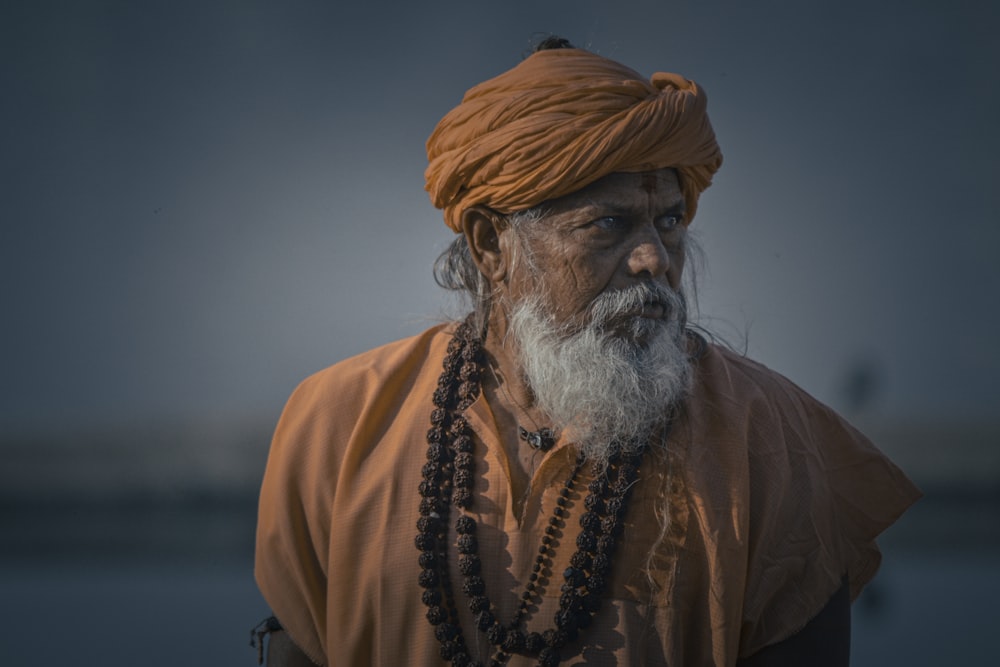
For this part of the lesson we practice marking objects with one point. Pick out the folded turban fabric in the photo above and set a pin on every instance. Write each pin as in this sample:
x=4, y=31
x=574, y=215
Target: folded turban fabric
x=560, y=120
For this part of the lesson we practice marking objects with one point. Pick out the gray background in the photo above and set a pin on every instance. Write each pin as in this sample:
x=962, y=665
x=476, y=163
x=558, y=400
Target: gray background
x=204, y=202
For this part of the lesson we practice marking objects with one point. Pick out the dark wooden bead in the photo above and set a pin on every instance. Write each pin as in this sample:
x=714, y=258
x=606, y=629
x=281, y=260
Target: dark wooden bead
x=467, y=544
x=554, y=638
x=590, y=521
x=468, y=564
x=462, y=498
x=436, y=615
x=574, y=577
x=474, y=585
x=586, y=541
x=580, y=560
x=427, y=579
x=465, y=525
x=601, y=563
x=485, y=619
x=496, y=634
x=446, y=632
x=448, y=649
x=514, y=641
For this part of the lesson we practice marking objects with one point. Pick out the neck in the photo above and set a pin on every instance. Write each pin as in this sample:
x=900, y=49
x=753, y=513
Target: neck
x=506, y=382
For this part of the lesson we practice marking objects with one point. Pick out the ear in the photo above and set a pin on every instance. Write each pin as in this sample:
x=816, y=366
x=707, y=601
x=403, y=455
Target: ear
x=483, y=227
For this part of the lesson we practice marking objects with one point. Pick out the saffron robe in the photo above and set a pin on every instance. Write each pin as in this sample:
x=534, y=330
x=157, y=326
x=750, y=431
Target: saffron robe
x=737, y=533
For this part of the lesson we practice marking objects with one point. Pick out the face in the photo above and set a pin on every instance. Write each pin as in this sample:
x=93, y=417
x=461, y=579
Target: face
x=621, y=230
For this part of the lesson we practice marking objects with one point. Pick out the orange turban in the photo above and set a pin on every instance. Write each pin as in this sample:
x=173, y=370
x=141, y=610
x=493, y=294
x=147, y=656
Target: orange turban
x=560, y=120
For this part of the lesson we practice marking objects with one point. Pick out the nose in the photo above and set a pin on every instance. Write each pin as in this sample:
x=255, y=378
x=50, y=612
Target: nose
x=648, y=258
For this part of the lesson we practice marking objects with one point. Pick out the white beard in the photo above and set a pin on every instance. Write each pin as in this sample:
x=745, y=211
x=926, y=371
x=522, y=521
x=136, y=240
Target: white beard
x=600, y=385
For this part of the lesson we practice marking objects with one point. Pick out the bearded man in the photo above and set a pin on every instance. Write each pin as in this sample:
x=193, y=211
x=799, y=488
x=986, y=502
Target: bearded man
x=571, y=474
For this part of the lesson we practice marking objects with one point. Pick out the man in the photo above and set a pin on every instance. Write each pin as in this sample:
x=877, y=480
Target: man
x=572, y=474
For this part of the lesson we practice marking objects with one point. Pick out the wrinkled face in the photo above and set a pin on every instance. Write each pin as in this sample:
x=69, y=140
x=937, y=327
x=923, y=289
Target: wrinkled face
x=621, y=230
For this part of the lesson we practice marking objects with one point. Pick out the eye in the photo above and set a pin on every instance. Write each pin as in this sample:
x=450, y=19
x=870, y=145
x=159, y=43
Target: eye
x=670, y=222
x=611, y=223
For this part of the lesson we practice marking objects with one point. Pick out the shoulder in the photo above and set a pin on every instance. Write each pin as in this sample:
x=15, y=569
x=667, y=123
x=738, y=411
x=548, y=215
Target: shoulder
x=384, y=368
x=759, y=401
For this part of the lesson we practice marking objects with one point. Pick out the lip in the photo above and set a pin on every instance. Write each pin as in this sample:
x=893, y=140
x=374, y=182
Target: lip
x=653, y=310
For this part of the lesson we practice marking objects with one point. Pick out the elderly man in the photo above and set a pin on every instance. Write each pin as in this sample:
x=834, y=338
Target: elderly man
x=571, y=474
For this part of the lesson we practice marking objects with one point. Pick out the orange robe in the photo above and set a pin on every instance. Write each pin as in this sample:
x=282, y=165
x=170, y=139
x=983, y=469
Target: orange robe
x=772, y=498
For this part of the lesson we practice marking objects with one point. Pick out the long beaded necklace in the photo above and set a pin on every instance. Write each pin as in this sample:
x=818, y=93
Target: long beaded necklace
x=448, y=478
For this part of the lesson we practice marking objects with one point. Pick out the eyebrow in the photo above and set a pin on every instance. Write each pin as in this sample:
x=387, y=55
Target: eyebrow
x=678, y=206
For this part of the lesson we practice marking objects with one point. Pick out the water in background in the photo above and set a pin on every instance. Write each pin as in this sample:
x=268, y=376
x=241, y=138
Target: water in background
x=156, y=570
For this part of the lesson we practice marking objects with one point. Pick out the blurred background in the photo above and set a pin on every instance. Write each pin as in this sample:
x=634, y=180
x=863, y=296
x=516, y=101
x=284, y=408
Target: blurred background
x=205, y=202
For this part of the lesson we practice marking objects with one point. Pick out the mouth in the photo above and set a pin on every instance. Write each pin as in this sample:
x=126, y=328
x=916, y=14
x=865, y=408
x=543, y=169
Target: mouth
x=653, y=310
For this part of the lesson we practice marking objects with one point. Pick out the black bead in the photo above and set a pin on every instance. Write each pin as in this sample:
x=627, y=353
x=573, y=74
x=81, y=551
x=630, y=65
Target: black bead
x=446, y=632
x=548, y=657
x=601, y=564
x=465, y=525
x=436, y=615
x=461, y=659
x=590, y=521
x=593, y=504
x=467, y=544
x=479, y=603
x=496, y=634
x=566, y=621
x=569, y=600
x=474, y=585
x=574, y=577
x=425, y=541
x=586, y=541
x=596, y=583
x=427, y=559
x=468, y=564
x=462, y=498
x=463, y=443
x=485, y=619
x=533, y=642
x=464, y=460
x=464, y=478
x=591, y=603
x=448, y=649
x=428, y=579
x=514, y=641
x=580, y=560
x=428, y=489
x=431, y=597
x=554, y=638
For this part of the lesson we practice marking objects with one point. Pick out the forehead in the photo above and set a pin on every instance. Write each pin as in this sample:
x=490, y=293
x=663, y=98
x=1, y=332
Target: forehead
x=660, y=188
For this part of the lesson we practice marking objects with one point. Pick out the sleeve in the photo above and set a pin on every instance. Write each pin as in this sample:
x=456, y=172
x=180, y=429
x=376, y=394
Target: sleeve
x=293, y=523
x=820, y=493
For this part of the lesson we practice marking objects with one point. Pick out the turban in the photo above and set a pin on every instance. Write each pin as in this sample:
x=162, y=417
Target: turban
x=560, y=120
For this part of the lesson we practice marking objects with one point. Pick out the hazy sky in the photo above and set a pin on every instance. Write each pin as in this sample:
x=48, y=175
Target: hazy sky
x=203, y=202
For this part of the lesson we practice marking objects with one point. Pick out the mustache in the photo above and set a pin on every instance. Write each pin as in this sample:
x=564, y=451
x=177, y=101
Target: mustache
x=634, y=299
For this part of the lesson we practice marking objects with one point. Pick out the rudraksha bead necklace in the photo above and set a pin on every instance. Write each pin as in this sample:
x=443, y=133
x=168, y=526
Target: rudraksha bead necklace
x=448, y=478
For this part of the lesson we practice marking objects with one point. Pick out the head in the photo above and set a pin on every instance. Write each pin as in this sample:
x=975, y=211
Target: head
x=586, y=293
x=572, y=181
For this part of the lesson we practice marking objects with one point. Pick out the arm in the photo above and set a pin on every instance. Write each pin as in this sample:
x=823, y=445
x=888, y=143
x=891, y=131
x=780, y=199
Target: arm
x=824, y=642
